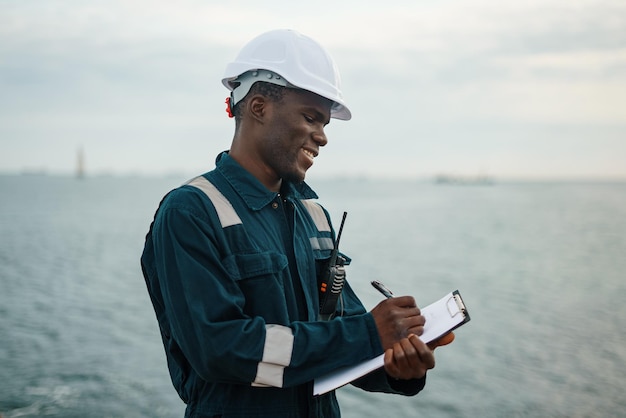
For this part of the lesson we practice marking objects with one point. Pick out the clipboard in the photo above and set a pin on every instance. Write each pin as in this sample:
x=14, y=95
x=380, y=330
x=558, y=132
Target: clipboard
x=442, y=316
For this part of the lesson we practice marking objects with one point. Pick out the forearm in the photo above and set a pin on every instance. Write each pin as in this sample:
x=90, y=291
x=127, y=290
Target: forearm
x=250, y=351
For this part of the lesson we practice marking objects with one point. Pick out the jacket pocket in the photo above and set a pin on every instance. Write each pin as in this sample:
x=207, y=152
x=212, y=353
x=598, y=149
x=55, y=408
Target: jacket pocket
x=260, y=278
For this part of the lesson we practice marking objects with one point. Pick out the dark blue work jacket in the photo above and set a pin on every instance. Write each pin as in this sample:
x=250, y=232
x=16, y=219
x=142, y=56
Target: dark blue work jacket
x=231, y=269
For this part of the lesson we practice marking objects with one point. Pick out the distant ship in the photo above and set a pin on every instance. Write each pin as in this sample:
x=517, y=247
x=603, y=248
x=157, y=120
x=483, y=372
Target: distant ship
x=480, y=180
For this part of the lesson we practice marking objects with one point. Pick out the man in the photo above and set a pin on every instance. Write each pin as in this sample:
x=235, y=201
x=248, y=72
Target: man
x=234, y=258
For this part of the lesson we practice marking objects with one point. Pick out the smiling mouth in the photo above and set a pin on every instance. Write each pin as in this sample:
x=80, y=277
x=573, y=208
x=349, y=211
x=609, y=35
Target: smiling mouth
x=308, y=154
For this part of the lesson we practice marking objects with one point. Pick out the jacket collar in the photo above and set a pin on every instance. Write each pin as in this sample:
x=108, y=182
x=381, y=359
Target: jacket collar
x=251, y=190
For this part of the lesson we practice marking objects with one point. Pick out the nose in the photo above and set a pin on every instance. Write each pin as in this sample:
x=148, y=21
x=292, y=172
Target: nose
x=320, y=137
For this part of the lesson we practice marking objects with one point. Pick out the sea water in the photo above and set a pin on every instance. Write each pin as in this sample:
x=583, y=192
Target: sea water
x=541, y=267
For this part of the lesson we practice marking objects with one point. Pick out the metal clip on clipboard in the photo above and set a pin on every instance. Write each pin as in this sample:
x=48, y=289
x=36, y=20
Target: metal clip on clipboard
x=458, y=307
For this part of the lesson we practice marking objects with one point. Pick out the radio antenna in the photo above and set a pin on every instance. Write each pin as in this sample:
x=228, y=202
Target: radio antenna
x=343, y=221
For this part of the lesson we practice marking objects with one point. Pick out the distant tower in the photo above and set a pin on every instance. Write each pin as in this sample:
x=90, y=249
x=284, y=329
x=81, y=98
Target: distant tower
x=80, y=164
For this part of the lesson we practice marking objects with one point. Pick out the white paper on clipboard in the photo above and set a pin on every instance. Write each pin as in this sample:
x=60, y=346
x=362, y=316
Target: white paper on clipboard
x=442, y=317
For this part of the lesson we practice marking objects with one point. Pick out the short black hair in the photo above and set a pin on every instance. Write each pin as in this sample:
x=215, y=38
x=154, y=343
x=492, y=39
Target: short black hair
x=273, y=92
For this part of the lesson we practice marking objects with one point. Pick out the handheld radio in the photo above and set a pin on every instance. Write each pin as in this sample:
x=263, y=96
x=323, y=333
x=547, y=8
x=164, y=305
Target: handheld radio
x=332, y=279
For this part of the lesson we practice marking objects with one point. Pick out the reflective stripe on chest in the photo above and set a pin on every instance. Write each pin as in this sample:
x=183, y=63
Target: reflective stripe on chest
x=225, y=211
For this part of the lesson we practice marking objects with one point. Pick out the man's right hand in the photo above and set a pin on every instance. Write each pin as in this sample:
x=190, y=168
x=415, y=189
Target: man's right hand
x=397, y=318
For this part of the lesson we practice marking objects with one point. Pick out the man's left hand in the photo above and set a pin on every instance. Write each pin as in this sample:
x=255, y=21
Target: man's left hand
x=409, y=358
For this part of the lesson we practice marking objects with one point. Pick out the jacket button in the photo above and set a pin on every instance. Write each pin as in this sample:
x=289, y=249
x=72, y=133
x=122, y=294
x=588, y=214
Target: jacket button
x=275, y=205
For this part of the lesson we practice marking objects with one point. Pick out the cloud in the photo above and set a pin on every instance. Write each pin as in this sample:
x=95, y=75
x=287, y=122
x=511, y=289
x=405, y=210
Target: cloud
x=130, y=79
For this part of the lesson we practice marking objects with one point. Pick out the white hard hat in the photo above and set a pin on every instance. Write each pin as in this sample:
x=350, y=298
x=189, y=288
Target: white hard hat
x=289, y=59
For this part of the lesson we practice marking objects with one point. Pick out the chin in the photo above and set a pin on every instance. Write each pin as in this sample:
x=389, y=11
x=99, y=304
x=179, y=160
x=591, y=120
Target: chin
x=294, y=177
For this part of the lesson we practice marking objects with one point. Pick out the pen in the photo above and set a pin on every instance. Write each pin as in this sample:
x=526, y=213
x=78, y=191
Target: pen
x=382, y=289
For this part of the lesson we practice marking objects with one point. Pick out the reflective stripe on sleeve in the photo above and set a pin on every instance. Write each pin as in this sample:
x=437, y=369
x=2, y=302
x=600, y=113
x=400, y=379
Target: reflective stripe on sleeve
x=276, y=356
x=225, y=211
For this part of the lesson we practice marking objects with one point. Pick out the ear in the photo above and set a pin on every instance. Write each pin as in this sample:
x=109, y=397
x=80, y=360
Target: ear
x=258, y=107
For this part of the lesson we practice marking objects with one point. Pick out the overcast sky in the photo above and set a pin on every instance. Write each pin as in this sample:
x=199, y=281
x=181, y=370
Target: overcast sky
x=531, y=89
